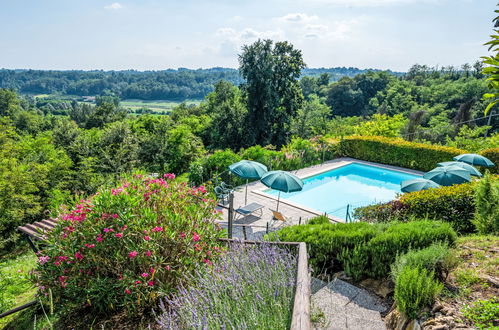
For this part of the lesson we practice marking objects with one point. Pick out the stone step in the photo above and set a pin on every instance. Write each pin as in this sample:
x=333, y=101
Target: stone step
x=346, y=306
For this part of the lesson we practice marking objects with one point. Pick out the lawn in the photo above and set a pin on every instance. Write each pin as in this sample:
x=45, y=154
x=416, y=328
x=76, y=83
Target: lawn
x=155, y=105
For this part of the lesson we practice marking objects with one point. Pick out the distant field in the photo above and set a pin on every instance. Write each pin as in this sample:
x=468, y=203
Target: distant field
x=156, y=105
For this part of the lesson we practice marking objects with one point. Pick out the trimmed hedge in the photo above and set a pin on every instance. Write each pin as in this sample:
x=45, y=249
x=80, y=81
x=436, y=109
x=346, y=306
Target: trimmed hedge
x=493, y=155
x=453, y=204
x=361, y=249
x=395, y=151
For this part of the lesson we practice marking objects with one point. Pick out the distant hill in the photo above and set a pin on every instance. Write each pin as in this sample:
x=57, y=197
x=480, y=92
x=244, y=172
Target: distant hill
x=180, y=84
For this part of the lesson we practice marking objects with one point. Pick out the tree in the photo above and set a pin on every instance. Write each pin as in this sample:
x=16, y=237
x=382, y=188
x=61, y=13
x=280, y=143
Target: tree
x=492, y=70
x=272, y=90
x=227, y=110
x=311, y=119
x=9, y=102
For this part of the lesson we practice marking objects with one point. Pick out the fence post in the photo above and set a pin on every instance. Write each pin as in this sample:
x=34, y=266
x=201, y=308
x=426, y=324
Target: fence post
x=231, y=214
x=299, y=221
x=267, y=230
x=244, y=233
x=347, y=216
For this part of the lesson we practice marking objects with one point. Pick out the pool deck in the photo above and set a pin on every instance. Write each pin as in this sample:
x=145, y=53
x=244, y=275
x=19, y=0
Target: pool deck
x=293, y=212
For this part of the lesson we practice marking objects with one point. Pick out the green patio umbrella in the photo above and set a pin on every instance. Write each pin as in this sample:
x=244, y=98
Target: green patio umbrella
x=248, y=169
x=467, y=167
x=282, y=181
x=448, y=175
x=474, y=159
x=417, y=185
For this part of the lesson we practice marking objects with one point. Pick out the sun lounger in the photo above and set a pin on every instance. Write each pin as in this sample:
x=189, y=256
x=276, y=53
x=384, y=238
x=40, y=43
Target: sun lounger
x=277, y=216
x=250, y=209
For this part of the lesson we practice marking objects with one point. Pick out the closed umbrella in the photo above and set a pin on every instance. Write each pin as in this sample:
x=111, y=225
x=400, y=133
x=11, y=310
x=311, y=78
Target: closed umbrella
x=467, y=167
x=248, y=169
x=474, y=159
x=448, y=175
x=282, y=181
x=417, y=185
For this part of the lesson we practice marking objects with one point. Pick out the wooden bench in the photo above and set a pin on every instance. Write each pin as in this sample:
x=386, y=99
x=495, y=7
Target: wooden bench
x=36, y=230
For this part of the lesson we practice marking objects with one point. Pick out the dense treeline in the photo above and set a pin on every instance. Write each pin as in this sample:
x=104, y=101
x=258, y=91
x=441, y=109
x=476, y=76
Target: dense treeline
x=51, y=150
x=170, y=84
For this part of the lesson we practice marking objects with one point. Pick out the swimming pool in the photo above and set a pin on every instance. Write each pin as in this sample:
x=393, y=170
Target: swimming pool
x=353, y=184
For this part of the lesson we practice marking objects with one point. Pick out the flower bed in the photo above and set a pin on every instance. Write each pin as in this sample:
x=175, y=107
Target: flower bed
x=250, y=286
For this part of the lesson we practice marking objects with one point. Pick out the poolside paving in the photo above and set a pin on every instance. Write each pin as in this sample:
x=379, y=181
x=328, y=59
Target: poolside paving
x=295, y=214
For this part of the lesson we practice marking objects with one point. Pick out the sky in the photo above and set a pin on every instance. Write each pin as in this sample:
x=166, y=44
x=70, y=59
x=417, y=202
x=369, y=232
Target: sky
x=157, y=35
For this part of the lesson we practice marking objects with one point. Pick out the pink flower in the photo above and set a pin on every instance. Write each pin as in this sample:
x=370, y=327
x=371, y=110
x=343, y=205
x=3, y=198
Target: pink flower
x=99, y=238
x=124, y=227
x=208, y=262
x=148, y=253
x=137, y=282
x=133, y=254
x=144, y=274
x=167, y=267
x=79, y=256
x=43, y=260
x=116, y=191
x=64, y=235
x=157, y=229
x=202, y=189
x=115, y=216
x=182, y=235
x=147, y=238
x=195, y=237
x=119, y=235
x=62, y=258
x=57, y=263
x=128, y=291
x=152, y=270
x=170, y=176
x=150, y=283
x=89, y=246
x=107, y=230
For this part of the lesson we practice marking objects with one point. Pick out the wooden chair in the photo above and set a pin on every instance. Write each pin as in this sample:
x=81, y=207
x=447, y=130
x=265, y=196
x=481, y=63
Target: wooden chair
x=279, y=217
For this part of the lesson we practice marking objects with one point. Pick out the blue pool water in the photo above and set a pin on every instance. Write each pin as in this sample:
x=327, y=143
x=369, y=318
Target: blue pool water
x=354, y=184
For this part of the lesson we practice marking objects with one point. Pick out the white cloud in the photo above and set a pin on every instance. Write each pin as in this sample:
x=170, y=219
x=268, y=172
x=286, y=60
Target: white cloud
x=374, y=3
x=114, y=6
x=297, y=18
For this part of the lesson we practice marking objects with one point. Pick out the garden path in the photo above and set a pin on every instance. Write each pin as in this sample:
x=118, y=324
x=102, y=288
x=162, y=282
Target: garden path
x=346, y=306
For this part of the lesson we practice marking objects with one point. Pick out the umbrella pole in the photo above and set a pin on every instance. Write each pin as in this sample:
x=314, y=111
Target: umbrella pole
x=246, y=195
x=278, y=198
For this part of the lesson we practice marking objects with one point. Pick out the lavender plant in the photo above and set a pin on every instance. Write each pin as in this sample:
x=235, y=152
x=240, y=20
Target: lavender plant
x=248, y=287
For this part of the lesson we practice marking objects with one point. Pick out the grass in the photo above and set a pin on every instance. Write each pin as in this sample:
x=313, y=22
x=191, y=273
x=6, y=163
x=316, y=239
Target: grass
x=155, y=105
x=15, y=287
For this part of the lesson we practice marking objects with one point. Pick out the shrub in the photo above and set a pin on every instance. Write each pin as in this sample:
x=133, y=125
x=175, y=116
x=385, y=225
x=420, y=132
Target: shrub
x=124, y=247
x=453, y=204
x=212, y=166
x=325, y=242
x=437, y=258
x=493, y=155
x=415, y=289
x=483, y=313
x=486, y=219
x=398, y=152
x=248, y=287
x=381, y=251
x=319, y=220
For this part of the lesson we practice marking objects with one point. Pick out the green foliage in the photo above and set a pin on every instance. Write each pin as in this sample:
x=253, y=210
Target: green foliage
x=9, y=102
x=272, y=89
x=396, y=152
x=381, y=125
x=492, y=68
x=214, y=166
x=453, y=204
x=319, y=220
x=483, y=313
x=486, y=218
x=437, y=258
x=326, y=241
x=493, y=155
x=472, y=139
x=312, y=119
x=415, y=289
x=124, y=247
x=361, y=249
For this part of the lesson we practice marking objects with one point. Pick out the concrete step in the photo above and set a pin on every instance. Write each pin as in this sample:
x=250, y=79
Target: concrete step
x=346, y=306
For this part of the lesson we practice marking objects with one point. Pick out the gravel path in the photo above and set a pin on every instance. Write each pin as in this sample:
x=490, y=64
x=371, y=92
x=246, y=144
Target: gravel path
x=346, y=306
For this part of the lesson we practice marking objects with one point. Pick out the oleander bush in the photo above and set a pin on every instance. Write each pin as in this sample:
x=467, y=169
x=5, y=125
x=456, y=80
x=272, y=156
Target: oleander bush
x=437, y=258
x=127, y=246
x=493, y=155
x=249, y=287
x=396, y=151
x=415, y=289
x=453, y=204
